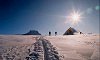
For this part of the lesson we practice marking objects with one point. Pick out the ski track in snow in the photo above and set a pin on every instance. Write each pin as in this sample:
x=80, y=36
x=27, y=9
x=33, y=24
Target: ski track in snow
x=72, y=47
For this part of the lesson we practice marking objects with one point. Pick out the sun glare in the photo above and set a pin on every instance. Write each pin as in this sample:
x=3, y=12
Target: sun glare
x=75, y=17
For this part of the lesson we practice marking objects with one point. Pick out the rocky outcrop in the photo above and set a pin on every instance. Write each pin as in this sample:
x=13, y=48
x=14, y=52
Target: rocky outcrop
x=32, y=32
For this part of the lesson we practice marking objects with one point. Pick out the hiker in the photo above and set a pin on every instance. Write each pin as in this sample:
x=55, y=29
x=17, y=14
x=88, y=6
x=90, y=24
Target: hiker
x=81, y=33
x=55, y=33
x=49, y=33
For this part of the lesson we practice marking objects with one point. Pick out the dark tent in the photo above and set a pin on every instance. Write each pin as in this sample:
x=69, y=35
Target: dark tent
x=70, y=31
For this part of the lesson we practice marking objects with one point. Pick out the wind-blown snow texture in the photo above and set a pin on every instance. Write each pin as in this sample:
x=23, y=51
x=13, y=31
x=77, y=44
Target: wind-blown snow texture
x=72, y=47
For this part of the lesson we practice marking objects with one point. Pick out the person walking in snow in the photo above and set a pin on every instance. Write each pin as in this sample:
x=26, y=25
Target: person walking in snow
x=55, y=33
x=49, y=33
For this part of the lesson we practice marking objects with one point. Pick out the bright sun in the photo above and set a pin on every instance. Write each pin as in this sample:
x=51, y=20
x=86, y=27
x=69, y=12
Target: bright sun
x=74, y=17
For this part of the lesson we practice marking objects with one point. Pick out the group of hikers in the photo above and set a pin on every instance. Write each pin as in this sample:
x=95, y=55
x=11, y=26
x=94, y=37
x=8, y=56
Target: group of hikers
x=50, y=33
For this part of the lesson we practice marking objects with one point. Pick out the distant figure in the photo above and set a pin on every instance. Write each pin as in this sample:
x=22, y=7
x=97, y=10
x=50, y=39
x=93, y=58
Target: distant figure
x=81, y=33
x=49, y=33
x=55, y=33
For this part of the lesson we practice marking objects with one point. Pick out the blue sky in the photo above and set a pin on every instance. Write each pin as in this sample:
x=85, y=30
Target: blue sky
x=19, y=16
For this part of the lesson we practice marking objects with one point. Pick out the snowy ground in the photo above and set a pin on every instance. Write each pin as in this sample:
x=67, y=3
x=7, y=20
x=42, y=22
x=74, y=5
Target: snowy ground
x=71, y=47
x=77, y=47
x=15, y=46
